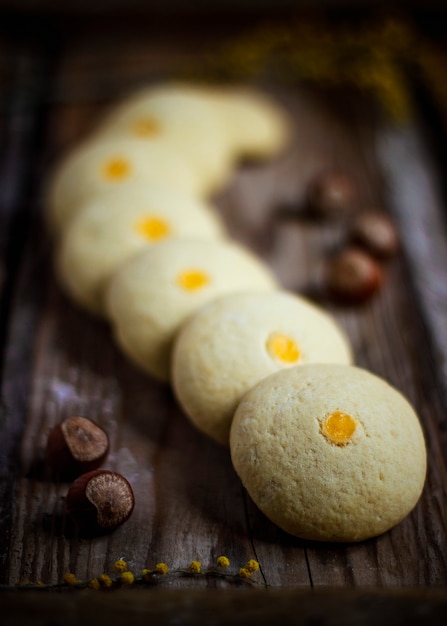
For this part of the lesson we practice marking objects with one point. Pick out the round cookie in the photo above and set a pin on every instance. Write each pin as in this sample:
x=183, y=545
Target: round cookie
x=184, y=116
x=256, y=126
x=101, y=165
x=329, y=452
x=114, y=225
x=151, y=296
x=235, y=341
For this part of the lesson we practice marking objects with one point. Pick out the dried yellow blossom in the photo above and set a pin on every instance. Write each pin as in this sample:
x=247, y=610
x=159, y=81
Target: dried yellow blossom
x=94, y=584
x=366, y=57
x=146, y=574
x=105, y=580
x=252, y=565
x=120, y=566
x=70, y=579
x=223, y=561
x=127, y=578
x=195, y=567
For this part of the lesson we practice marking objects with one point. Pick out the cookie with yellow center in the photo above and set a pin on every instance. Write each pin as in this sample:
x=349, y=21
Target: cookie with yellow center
x=114, y=225
x=151, y=296
x=329, y=452
x=257, y=126
x=97, y=166
x=237, y=340
x=182, y=115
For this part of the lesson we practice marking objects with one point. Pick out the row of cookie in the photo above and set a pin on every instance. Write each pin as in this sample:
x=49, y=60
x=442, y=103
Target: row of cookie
x=204, y=313
x=173, y=281
x=145, y=172
x=184, y=137
x=327, y=450
x=124, y=214
x=148, y=291
x=105, y=209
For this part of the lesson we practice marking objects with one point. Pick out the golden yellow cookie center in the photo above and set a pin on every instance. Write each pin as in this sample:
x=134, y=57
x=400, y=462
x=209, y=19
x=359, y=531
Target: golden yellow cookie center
x=146, y=127
x=192, y=280
x=339, y=427
x=116, y=169
x=283, y=348
x=153, y=228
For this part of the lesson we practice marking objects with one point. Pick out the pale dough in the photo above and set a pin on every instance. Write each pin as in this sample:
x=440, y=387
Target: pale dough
x=96, y=166
x=237, y=340
x=329, y=452
x=152, y=295
x=257, y=126
x=183, y=115
x=114, y=225
x=182, y=136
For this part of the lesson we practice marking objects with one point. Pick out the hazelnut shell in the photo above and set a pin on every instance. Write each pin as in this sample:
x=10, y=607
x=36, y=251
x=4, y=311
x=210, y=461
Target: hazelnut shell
x=353, y=276
x=332, y=194
x=376, y=232
x=75, y=446
x=100, y=501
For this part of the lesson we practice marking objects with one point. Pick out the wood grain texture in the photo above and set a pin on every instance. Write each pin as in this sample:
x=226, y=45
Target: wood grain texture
x=58, y=361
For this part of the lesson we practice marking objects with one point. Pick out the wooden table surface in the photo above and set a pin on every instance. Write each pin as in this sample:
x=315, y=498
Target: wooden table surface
x=58, y=361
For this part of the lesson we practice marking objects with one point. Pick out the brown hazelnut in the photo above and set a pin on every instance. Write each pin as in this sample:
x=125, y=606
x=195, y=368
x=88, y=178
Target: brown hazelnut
x=376, y=232
x=75, y=446
x=332, y=194
x=99, y=501
x=353, y=276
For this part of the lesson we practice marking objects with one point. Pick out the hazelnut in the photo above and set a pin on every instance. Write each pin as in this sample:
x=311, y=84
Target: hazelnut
x=353, y=276
x=99, y=501
x=331, y=194
x=376, y=232
x=75, y=446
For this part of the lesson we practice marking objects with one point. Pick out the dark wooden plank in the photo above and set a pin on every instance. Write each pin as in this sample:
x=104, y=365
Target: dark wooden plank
x=190, y=504
x=418, y=203
x=17, y=219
